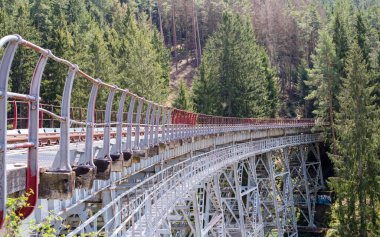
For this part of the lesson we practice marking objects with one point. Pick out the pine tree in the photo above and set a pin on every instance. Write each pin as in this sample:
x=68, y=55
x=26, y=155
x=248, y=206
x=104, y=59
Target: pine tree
x=306, y=106
x=376, y=75
x=340, y=40
x=235, y=73
x=19, y=22
x=271, y=89
x=183, y=99
x=309, y=24
x=324, y=83
x=356, y=212
x=102, y=65
x=163, y=57
x=3, y=19
x=361, y=37
x=140, y=66
x=60, y=42
x=40, y=13
x=204, y=98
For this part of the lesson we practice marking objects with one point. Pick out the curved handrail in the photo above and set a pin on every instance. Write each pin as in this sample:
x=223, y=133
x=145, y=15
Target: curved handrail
x=173, y=123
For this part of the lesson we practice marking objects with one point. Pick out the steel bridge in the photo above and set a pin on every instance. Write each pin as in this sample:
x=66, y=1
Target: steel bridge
x=145, y=169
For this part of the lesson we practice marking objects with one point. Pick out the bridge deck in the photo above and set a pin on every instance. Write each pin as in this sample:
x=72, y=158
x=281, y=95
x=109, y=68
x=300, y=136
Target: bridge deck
x=169, y=136
x=16, y=159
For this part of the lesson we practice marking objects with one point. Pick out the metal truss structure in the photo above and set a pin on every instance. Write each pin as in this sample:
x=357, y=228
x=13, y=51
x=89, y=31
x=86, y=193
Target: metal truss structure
x=242, y=190
x=142, y=178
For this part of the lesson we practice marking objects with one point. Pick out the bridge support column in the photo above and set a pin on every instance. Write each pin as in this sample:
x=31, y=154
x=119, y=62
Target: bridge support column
x=215, y=189
x=112, y=216
x=234, y=200
x=306, y=186
x=276, y=194
x=306, y=173
x=238, y=173
x=290, y=211
x=253, y=198
x=317, y=154
x=197, y=212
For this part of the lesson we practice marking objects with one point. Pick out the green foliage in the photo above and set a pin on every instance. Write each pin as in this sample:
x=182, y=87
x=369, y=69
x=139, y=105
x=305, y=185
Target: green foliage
x=142, y=62
x=15, y=19
x=14, y=227
x=163, y=57
x=183, y=100
x=344, y=85
x=235, y=77
x=119, y=44
x=309, y=23
x=340, y=40
x=13, y=218
x=357, y=187
x=203, y=92
x=361, y=37
x=306, y=106
x=101, y=37
x=324, y=82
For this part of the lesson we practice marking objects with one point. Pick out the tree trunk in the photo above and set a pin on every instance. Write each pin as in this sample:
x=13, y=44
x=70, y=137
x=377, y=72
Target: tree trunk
x=362, y=199
x=159, y=9
x=199, y=38
x=174, y=35
x=187, y=29
x=150, y=13
x=195, y=34
x=331, y=116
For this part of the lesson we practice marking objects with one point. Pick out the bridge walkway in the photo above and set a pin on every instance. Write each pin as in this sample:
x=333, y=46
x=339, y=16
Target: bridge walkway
x=85, y=163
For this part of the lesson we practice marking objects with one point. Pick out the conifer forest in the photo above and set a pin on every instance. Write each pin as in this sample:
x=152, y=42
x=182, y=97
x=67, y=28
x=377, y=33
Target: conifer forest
x=236, y=58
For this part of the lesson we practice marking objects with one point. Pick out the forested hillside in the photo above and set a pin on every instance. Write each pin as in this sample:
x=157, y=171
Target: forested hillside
x=251, y=58
x=107, y=39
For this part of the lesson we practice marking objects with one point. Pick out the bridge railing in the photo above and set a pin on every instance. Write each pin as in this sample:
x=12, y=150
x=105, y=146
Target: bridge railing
x=169, y=186
x=143, y=124
x=18, y=117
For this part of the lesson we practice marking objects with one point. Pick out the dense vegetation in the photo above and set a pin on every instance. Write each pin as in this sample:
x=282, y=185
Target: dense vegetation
x=235, y=78
x=106, y=39
x=254, y=58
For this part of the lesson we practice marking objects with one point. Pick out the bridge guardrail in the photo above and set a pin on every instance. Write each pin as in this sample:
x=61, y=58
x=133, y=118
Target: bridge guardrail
x=158, y=123
x=139, y=200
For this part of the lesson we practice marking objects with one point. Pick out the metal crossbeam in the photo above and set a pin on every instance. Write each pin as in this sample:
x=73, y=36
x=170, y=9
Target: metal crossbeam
x=148, y=205
x=223, y=187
